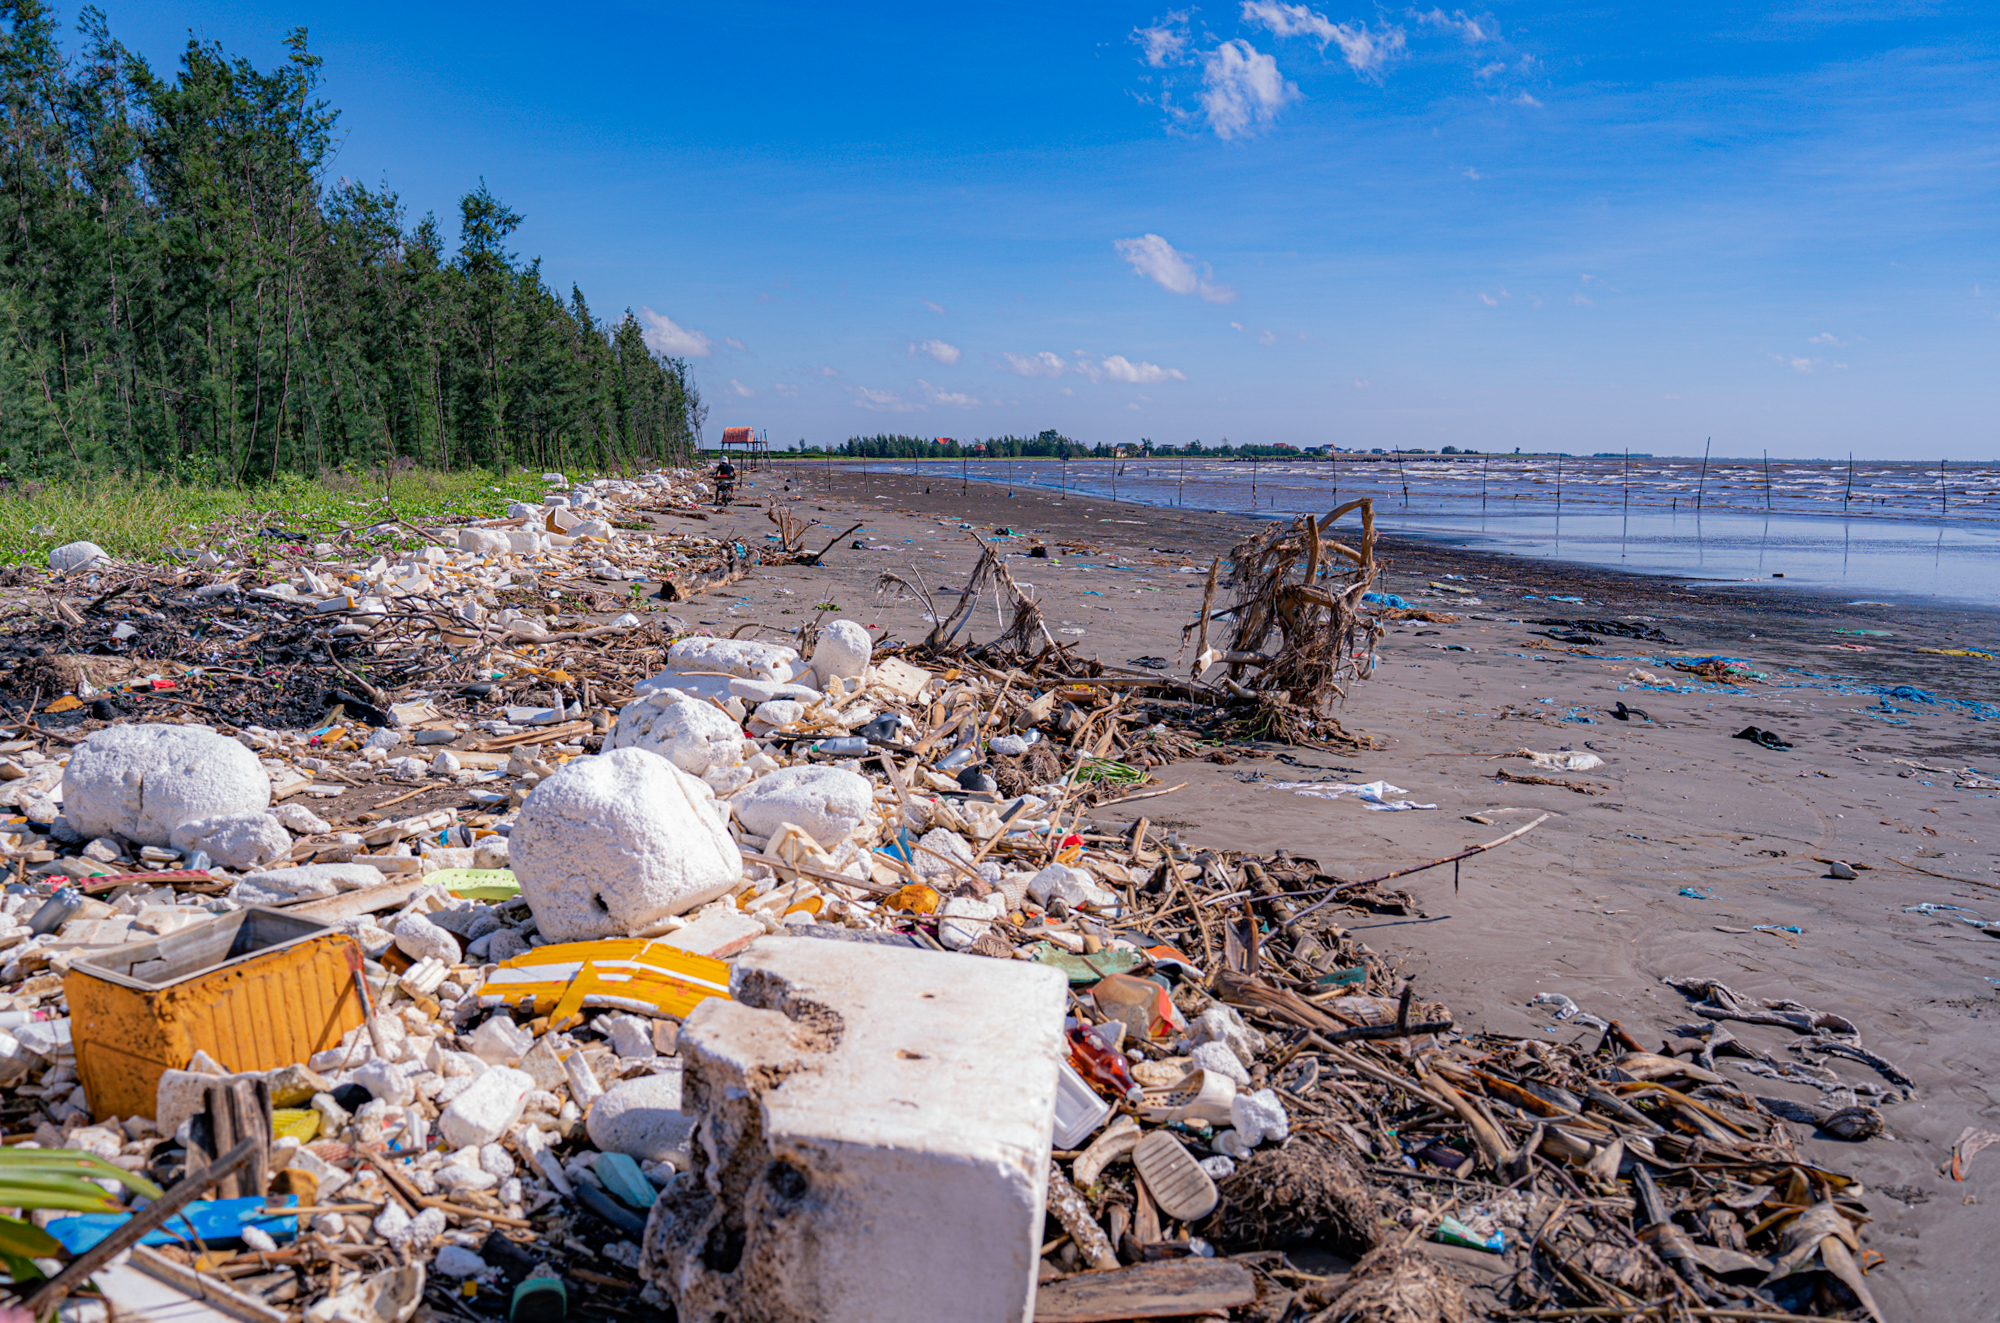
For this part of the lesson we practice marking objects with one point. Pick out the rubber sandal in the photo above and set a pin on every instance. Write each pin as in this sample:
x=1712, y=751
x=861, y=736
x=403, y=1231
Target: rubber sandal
x=1201, y=1095
x=1176, y=1181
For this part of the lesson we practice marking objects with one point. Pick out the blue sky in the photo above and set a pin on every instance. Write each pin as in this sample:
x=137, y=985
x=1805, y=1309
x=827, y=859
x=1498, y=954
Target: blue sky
x=1572, y=226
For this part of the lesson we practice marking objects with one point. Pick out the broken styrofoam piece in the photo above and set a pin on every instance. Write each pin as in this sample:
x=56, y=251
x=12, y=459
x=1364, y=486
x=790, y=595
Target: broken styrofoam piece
x=1569, y=760
x=420, y=939
x=717, y=932
x=827, y=803
x=72, y=556
x=629, y=1035
x=1259, y=1118
x=306, y=882
x=236, y=841
x=692, y=734
x=1221, y=1024
x=487, y=1109
x=934, y=849
x=751, y=660
x=610, y=844
x=865, y=1114
x=140, y=782
x=755, y=692
x=1072, y=886
x=843, y=650
x=499, y=1041
x=965, y=919
x=1216, y=1056
x=483, y=541
x=642, y=1118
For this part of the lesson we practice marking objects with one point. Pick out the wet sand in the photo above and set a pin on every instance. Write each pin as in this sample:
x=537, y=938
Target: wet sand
x=1590, y=903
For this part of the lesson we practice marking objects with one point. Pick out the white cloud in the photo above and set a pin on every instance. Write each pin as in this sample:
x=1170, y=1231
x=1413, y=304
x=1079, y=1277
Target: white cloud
x=885, y=401
x=1806, y=366
x=1525, y=100
x=1829, y=338
x=1068, y=390
x=663, y=337
x=1582, y=300
x=1266, y=337
x=957, y=399
x=1471, y=29
x=785, y=388
x=937, y=349
x=743, y=392
x=1163, y=43
x=827, y=371
x=1473, y=173
x=1236, y=326
x=1241, y=89
x=1119, y=368
x=1173, y=271
x=1043, y=364
x=1366, y=52
x=1361, y=383
x=934, y=307
x=732, y=342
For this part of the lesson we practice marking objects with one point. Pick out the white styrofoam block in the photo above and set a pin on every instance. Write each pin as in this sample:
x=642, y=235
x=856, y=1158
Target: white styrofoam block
x=1216, y=1056
x=610, y=844
x=234, y=840
x=482, y=541
x=827, y=803
x=1072, y=886
x=307, y=881
x=877, y=1123
x=420, y=939
x=142, y=781
x=691, y=733
x=752, y=661
x=74, y=555
x=843, y=649
x=487, y=1108
x=642, y=1118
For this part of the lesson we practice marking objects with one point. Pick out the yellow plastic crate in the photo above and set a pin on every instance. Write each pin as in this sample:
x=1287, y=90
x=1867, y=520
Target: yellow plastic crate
x=256, y=990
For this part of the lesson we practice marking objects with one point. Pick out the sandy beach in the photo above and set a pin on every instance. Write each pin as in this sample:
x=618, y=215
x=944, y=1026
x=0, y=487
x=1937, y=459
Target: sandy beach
x=1698, y=855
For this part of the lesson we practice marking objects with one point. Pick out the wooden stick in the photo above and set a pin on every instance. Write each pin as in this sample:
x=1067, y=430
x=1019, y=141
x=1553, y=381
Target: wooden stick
x=1405, y=872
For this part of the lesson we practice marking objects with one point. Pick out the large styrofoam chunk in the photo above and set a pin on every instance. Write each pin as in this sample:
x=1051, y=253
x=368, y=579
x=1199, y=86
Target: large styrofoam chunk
x=688, y=732
x=610, y=844
x=874, y=1130
x=827, y=803
x=487, y=1109
x=843, y=649
x=74, y=555
x=308, y=881
x=141, y=782
x=483, y=541
x=641, y=1118
x=235, y=840
x=751, y=660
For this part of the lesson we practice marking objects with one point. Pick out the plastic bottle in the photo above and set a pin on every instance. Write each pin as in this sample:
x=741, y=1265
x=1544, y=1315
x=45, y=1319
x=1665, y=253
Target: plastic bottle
x=55, y=911
x=844, y=746
x=1100, y=1063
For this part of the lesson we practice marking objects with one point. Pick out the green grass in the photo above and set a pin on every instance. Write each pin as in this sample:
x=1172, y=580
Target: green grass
x=138, y=520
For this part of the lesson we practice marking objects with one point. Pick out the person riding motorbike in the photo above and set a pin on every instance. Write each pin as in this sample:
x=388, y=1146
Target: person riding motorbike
x=725, y=483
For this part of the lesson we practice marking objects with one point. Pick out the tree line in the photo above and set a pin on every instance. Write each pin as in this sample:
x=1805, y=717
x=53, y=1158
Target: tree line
x=184, y=295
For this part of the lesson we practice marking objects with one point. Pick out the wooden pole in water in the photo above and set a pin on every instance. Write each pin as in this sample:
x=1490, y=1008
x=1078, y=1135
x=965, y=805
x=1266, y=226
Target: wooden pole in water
x=1702, y=489
x=1848, y=495
x=1767, y=480
x=1944, y=493
x=1485, y=467
x=1180, y=491
x=1253, y=482
x=1625, y=476
x=1559, y=485
x=1403, y=478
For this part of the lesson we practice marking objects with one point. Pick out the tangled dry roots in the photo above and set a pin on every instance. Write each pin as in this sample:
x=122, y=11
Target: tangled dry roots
x=1309, y=1190
x=1397, y=1285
